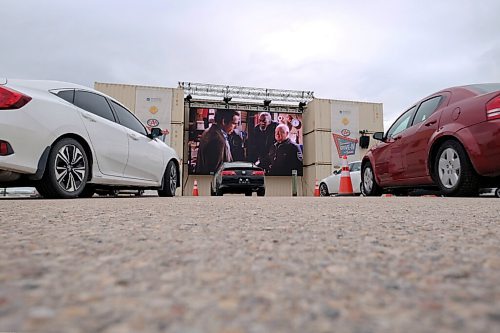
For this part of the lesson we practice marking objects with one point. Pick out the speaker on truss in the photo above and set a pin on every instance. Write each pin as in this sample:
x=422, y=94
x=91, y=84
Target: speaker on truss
x=364, y=141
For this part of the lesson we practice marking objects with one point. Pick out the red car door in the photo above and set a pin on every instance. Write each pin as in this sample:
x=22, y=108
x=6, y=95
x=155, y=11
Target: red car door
x=416, y=141
x=394, y=139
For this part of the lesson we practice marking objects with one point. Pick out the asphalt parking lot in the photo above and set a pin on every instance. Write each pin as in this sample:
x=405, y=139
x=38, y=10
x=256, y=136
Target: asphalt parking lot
x=250, y=264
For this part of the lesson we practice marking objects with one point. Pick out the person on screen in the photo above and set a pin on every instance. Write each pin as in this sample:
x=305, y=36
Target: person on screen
x=237, y=143
x=214, y=148
x=262, y=140
x=285, y=155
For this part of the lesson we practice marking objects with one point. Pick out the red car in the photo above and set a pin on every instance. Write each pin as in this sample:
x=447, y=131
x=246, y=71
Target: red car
x=449, y=140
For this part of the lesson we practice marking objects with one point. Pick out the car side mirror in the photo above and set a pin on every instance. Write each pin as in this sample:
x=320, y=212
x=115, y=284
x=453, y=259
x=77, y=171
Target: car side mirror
x=155, y=132
x=378, y=136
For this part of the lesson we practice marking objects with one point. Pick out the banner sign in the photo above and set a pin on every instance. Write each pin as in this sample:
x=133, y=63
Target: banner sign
x=153, y=107
x=345, y=145
x=345, y=131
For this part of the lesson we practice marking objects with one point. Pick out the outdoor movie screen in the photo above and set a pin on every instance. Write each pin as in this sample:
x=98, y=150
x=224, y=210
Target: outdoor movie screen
x=271, y=140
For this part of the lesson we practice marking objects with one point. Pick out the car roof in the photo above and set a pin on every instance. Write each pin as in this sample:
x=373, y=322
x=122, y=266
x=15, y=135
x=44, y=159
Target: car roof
x=47, y=85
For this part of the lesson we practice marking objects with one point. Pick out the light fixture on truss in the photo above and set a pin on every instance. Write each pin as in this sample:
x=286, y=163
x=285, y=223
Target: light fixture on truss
x=246, y=93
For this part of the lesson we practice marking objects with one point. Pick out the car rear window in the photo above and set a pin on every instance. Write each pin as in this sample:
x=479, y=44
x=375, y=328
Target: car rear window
x=67, y=95
x=485, y=88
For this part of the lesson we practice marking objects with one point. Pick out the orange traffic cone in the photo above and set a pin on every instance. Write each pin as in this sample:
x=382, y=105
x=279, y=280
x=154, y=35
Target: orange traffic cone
x=195, y=188
x=345, y=187
x=316, y=188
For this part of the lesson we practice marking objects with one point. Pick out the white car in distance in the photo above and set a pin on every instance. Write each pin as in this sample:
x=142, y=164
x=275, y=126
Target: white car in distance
x=68, y=141
x=330, y=185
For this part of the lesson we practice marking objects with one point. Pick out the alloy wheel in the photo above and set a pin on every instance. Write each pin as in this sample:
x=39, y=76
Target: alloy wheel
x=173, y=179
x=323, y=190
x=70, y=168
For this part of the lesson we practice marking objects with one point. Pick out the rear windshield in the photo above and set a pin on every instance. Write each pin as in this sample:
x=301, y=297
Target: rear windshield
x=485, y=88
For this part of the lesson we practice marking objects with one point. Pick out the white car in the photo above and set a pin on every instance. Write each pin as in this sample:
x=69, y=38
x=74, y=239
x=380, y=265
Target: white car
x=69, y=141
x=330, y=185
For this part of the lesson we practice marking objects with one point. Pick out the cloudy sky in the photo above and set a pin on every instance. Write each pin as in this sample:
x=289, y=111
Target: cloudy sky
x=385, y=51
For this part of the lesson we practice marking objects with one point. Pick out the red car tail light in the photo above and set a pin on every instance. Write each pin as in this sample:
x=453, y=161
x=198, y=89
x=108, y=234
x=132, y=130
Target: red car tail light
x=5, y=148
x=11, y=99
x=258, y=173
x=228, y=173
x=493, y=108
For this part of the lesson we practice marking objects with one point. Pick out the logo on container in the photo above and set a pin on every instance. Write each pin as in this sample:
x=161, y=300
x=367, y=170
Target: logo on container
x=153, y=122
x=345, y=132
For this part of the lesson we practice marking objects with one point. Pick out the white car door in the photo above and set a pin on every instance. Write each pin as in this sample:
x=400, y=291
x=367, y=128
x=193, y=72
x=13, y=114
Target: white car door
x=109, y=139
x=145, y=156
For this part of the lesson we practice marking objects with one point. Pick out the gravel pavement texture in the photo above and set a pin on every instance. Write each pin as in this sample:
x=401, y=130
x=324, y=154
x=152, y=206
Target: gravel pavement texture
x=238, y=264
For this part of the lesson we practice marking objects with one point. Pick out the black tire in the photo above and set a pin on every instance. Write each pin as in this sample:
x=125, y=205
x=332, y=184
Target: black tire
x=248, y=194
x=66, y=172
x=370, y=186
x=497, y=192
x=139, y=193
x=169, y=183
x=114, y=193
x=323, y=190
x=453, y=171
x=88, y=192
x=261, y=192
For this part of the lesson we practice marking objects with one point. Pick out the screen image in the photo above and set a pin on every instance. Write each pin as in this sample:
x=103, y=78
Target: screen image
x=271, y=140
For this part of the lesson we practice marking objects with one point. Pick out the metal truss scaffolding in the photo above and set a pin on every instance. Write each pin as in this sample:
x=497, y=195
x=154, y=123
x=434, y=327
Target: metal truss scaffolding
x=245, y=93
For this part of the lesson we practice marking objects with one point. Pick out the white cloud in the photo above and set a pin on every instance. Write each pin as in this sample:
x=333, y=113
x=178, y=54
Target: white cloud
x=393, y=52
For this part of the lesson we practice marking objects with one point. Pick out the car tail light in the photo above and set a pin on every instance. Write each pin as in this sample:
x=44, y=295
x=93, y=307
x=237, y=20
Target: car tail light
x=11, y=99
x=5, y=148
x=228, y=173
x=258, y=173
x=493, y=108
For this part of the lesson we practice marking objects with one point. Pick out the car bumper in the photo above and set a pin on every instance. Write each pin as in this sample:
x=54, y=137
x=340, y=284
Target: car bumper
x=241, y=184
x=27, y=138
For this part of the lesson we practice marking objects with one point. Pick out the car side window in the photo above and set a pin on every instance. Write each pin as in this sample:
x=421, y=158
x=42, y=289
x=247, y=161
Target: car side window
x=426, y=109
x=355, y=167
x=127, y=119
x=67, y=95
x=94, y=103
x=401, y=124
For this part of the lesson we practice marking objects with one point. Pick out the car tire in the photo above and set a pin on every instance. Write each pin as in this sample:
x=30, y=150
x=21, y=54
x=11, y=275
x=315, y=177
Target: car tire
x=88, y=192
x=169, y=182
x=370, y=186
x=497, y=192
x=139, y=193
x=66, y=172
x=261, y=192
x=454, y=173
x=323, y=190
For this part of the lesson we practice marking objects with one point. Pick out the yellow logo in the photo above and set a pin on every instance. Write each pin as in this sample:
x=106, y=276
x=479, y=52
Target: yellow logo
x=345, y=121
x=153, y=109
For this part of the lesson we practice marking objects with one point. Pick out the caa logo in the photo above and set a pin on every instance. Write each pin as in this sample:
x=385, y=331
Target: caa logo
x=345, y=132
x=153, y=122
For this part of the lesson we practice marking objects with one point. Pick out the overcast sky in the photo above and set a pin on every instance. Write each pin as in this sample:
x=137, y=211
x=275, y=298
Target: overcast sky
x=390, y=52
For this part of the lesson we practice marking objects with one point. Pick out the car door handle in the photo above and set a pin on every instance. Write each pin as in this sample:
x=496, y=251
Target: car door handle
x=430, y=123
x=89, y=117
x=133, y=136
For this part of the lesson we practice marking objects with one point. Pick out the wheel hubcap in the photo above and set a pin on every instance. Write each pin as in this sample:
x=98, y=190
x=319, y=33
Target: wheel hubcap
x=368, y=180
x=449, y=168
x=70, y=168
